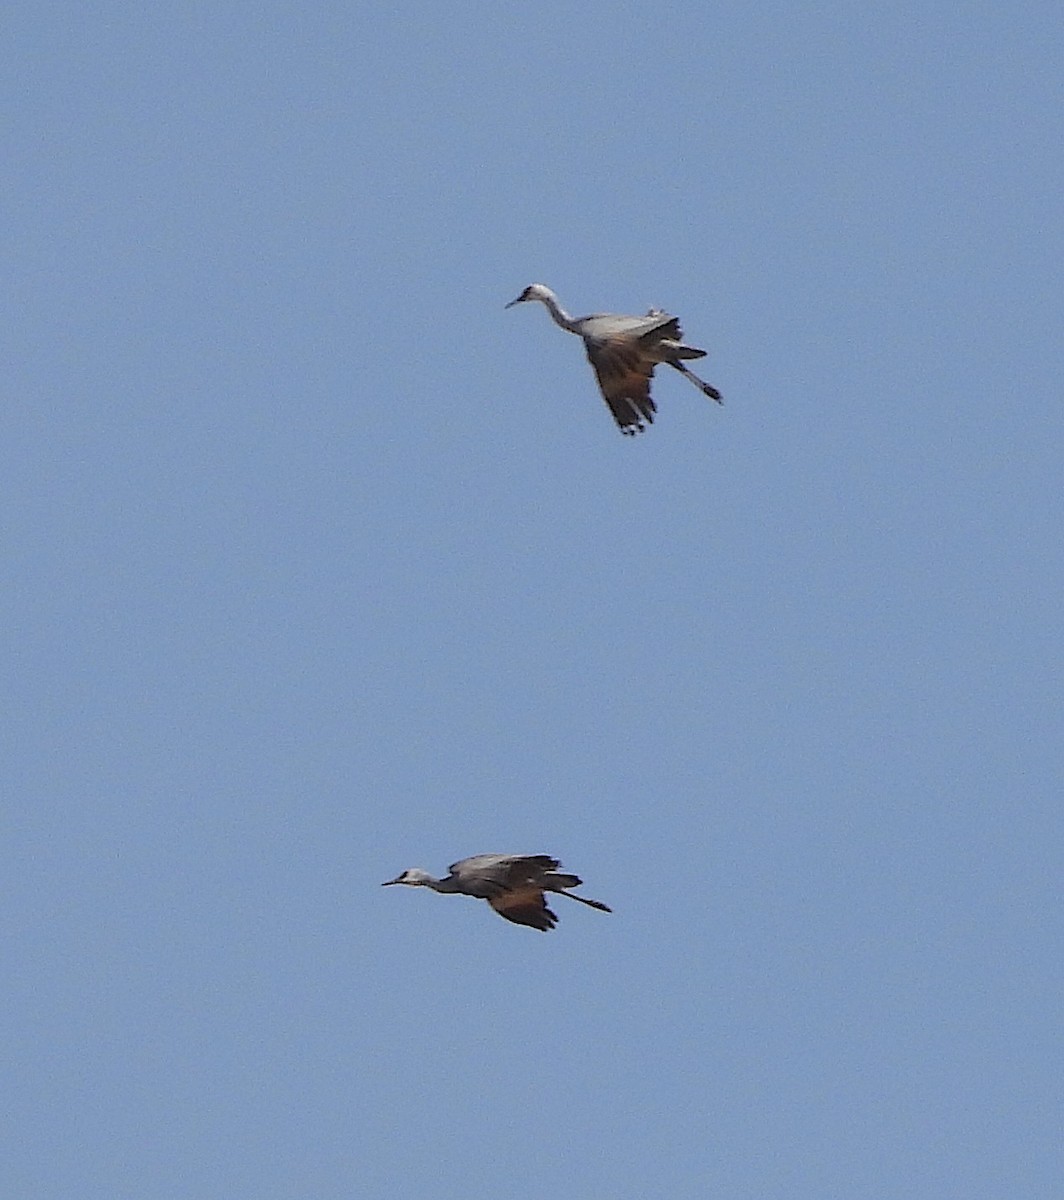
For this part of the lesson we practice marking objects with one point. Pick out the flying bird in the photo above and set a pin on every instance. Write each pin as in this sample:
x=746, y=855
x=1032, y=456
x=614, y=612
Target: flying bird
x=513, y=884
x=624, y=352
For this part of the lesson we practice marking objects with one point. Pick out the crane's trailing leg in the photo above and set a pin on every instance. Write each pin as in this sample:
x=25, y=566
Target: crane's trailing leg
x=590, y=903
x=706, y=388
x=556, y=882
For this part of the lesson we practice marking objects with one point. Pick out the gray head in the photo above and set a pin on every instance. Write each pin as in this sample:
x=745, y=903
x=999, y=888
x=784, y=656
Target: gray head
x=414, y=877
x=534, y=291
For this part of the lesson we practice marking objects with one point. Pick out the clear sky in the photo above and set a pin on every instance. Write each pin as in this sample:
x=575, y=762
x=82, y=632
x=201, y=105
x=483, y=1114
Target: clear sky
x=318, y=564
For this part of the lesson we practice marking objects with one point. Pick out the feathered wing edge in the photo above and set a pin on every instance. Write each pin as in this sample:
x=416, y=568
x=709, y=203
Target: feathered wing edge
x=525, y=906
x=624, y=379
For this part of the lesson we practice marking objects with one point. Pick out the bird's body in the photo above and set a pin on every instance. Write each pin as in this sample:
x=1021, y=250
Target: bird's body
x=624, y=351
x=513, y=884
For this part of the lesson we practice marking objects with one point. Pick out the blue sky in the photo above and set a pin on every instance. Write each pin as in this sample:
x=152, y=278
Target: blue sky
x=319, y=565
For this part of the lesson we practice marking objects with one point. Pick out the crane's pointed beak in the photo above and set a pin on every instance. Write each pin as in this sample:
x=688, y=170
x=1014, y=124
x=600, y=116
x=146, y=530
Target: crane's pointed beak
x=513, y=302
x=389, y=882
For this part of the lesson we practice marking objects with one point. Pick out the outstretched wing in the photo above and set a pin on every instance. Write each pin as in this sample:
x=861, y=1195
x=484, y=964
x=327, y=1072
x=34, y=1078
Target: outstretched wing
x=524, y=906
x=488, y=875
x=624, y=379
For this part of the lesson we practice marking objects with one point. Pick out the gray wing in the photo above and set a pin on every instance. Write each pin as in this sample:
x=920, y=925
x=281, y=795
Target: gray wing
x=491, y=874
x=610, y=325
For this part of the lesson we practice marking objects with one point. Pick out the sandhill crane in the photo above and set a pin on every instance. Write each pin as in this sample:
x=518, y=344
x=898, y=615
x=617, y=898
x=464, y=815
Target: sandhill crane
x=624, y=352
x=513, y=884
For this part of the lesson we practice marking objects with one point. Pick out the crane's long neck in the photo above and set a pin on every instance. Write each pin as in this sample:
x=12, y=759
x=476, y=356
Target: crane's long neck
x=442, y=885
x=561, y=317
